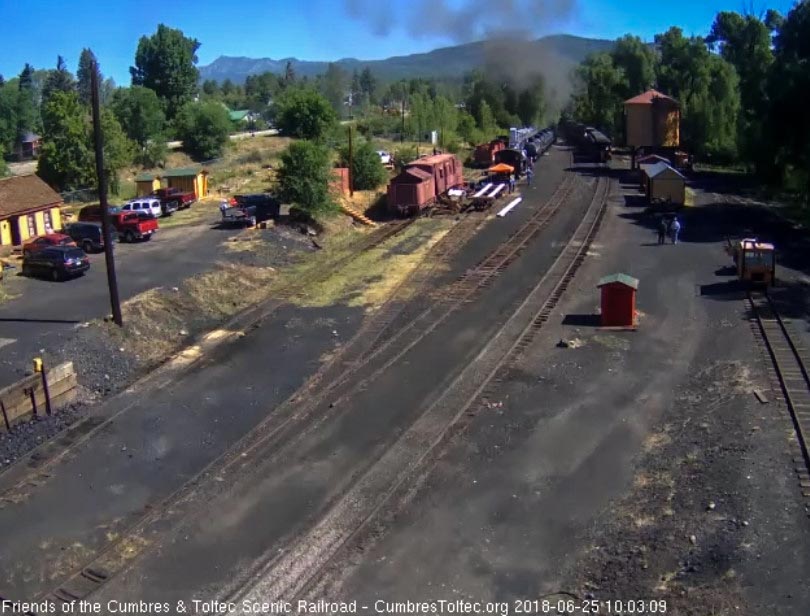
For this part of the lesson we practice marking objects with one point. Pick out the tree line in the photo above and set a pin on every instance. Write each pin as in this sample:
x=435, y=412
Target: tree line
x=742, y=90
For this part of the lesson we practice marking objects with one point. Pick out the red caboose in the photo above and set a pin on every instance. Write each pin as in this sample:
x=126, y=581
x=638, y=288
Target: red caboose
x=410, y=191
x=445, y=169
x=423, y=181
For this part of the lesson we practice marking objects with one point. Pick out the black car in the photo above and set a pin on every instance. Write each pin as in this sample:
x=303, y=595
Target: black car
x=88, y=235
x=56, y=262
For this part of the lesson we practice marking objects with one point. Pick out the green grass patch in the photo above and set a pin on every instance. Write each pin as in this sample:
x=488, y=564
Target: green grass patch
x=369, y=279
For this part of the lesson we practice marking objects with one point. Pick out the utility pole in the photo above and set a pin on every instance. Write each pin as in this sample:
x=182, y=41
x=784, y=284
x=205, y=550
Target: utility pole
x=102, y=197
x=402, y=132
x=351, y=164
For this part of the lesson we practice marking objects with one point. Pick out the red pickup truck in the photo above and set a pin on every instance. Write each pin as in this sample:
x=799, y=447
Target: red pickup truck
x=174, y=197
x=131, y=226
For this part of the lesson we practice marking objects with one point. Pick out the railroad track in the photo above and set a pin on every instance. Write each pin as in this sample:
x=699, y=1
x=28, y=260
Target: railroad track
x=790, y=362
x=47, y=455
x=304, y=568
x=348, y=372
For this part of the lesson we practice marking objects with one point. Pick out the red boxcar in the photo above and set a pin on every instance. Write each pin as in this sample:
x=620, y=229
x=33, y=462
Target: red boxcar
x=410, y=191
x=445, y=169
x=422, y=181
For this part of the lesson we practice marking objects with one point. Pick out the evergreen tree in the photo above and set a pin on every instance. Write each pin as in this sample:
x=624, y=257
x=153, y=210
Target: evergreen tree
x=87, y=64
x=59, y=80
x=289, y=74
x=166, y=63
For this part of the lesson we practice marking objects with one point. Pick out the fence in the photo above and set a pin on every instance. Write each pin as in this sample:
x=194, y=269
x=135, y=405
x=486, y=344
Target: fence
x=84, y=195
x=26, y=398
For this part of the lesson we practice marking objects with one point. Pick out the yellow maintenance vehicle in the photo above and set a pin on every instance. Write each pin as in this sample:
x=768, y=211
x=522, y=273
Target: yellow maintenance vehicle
x=755, y=260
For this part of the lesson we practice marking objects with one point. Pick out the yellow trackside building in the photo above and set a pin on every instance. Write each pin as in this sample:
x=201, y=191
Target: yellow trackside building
x=28, y=208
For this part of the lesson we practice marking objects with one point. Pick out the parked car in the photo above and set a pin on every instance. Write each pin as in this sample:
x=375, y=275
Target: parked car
x=44, y=241
x=130, y=226
x=92, y=213
x=144, y=204
x=56, y=262
x=88, y=235
x=174, y=197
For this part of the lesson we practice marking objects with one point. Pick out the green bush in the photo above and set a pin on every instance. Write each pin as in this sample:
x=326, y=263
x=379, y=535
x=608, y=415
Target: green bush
x=204, y=129
x=304, y=176
x=367, y=171
x=404, y=154
x=304, y=113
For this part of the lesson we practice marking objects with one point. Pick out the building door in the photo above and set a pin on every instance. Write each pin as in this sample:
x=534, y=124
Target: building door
x=16, y=240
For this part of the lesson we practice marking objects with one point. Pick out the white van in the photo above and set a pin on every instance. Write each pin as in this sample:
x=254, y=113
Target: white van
x=144, y=204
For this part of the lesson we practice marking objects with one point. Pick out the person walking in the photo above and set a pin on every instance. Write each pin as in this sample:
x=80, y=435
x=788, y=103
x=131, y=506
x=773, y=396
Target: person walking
x=675, y=228
x=223, y=205
x=529, y=174
x=662, y=230
x=511, y=183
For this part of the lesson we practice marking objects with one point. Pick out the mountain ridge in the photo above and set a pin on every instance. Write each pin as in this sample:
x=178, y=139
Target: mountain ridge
x=563, y=50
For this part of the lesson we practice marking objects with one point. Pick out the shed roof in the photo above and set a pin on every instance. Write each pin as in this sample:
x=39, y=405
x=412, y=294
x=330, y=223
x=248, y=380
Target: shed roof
x=29, y=137
x=652, y=158
x=182, y=172
x=24, y=193
x=656, y=170
x=620, y=278
x=147, y=177
x=646, y=98
x=238, y=115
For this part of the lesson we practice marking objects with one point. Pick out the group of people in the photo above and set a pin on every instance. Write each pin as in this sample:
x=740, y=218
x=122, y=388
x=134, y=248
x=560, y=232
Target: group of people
x=669, y=227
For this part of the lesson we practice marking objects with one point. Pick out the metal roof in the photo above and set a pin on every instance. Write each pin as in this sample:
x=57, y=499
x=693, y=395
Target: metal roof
x=620, y=278
x=147, y=177
x=652, y=157
x=657, y=169
x=238, y=115
x=182, y=172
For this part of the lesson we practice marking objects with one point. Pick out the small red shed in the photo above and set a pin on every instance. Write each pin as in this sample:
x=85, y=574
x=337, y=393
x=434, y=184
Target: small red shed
x=618, y=300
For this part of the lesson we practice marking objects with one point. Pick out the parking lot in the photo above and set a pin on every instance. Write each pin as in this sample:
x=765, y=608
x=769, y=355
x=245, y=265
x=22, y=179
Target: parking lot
x=42, y=310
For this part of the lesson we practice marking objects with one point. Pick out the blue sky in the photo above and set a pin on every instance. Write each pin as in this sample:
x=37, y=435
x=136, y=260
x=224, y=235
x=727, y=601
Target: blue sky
x=36, y=31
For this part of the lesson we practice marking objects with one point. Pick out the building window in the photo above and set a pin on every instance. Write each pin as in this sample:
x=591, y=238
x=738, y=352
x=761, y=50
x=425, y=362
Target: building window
x=46, y=217
x=32, y=225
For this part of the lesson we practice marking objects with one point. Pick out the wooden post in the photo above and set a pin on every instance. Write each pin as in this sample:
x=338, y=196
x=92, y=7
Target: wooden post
x=5, y=416
x=351, y=164
x=98, y=141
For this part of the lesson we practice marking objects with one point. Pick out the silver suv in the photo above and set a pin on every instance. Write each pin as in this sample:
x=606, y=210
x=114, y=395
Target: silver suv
x=144, y=204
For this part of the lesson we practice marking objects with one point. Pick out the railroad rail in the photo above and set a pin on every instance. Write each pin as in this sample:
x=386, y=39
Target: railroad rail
x=47, y=455
x=348, y=372
x=302, y=570
x=791, y=367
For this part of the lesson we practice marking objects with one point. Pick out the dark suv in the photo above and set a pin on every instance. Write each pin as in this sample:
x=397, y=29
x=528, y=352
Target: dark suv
x=56, y=262
x=88, y=235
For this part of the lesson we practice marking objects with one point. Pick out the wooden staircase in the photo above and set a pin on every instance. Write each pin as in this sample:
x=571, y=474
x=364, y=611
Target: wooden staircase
x=351, y=211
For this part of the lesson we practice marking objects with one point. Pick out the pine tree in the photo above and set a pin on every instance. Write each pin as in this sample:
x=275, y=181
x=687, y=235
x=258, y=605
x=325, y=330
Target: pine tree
x=289, y=74
x=87, y=62
x=60, y=80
